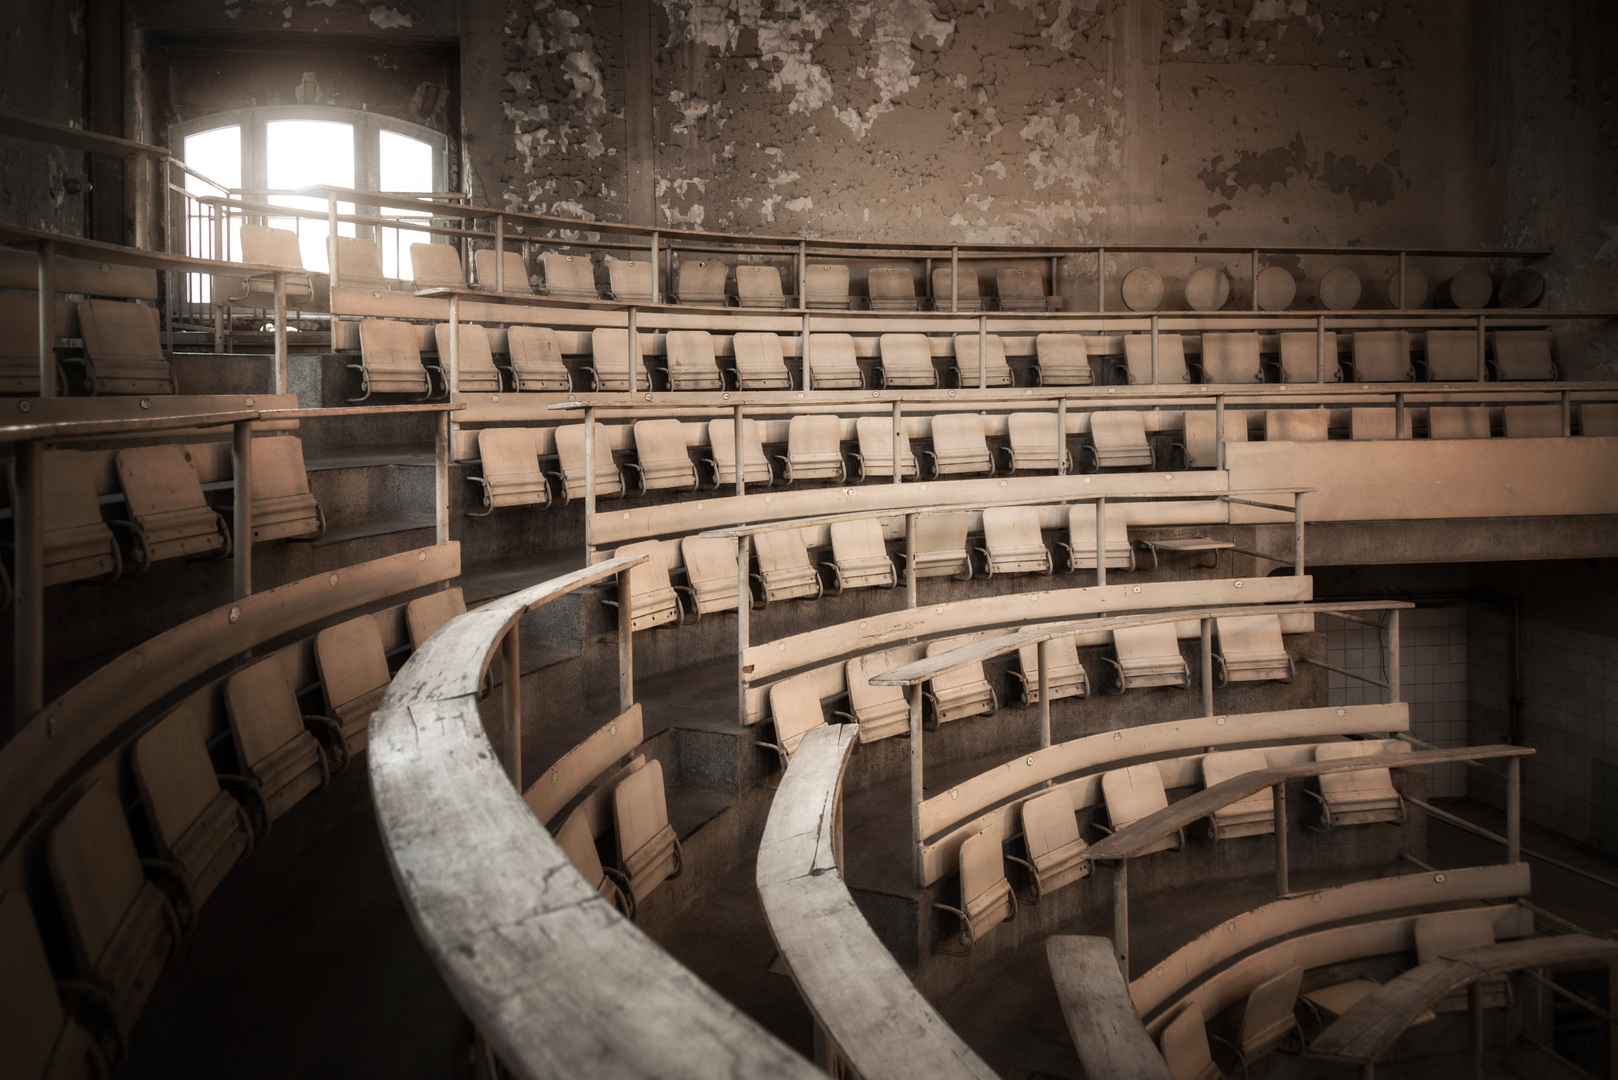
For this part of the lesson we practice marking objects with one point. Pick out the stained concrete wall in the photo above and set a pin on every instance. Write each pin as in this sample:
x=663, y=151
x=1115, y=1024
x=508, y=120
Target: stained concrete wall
x=45, y=82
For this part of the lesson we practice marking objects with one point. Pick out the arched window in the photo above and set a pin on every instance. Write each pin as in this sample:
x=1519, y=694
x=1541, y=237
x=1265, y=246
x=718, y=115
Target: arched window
x=264, y=155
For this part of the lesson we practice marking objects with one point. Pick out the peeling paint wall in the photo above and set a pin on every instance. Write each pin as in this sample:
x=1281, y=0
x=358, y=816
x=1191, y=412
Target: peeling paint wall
x=42, y=49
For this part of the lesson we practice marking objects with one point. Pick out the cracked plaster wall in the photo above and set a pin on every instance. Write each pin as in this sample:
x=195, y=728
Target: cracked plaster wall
x=46, y=82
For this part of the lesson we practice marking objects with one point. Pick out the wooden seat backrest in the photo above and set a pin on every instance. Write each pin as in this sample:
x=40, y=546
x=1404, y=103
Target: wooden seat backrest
x=1133, y=793
x=565, y=275
x=387, y=345
x=119, y=330
x=425, y=614
x=1452, y=356
x=660, y=442
x=702, y=281
x=832, y=355
x=507, y=454
x=966, y=678
x=759, y=355
x=434, y=266
x=1250, y=637
x=1268, y=1015
x=577, y=843
x=966, y=286
x=852, y=540
x=759, y=283
x=1373, y=423
x=1185, y=1045
x=960, y=434
x=70, y=478
x=983, y=869
x=1049, y=824
x=475, y=357
x=640, y=807
x=722, y=443
x=1011, y=528
x=95, y=869
x=1444, y=932
x=536, y=349
x=709, y=560
x=796, y=709
x=1533, y=421
x=1231, y=358
x=1523, y=354
x=1458, y=422
x=1222, y=765
x=359, y=262
x=875, y=435
x=1360, y=783
x=966, y=358
x=176, y=778
x=159, y=480
x=278, y=468
x=780, y=551
x=1299, y=356
x=352, y=660
x=1019, y=283
x=1118, y=429
x=630, y=280
x=814, y=434
x=1171, y=367
x=570, y=453
x=906, y=354
x=1381, y=355
x=1081, y=527
x=890, y=284
x=1062, y=352
x=1296, y=425
x=514, y=270
x=826, y=283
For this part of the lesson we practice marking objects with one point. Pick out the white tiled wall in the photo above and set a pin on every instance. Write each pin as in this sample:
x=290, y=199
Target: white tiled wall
x=1570, y=717
x=1432, y=678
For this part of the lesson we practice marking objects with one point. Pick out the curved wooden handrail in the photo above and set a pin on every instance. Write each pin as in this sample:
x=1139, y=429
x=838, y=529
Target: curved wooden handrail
x=552, y=975
x=873, y=1014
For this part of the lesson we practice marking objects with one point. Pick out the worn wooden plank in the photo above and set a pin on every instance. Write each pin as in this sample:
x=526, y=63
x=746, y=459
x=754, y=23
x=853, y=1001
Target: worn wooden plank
x=572, y=773
x=1106, y=1031
x=1357, y=900
x=1370, y=1027
x=1124, y=843
x=871, y=1011
x=74, y=724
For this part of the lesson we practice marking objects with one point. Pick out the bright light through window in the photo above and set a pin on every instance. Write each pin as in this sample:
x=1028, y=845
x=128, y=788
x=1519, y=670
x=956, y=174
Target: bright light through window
x=404, y=165
x=300, y=154
x=216, y=154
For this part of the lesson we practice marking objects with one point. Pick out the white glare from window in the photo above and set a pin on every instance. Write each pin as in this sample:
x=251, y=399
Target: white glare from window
x=300, y=154
x=404, y=165
x=216, y=154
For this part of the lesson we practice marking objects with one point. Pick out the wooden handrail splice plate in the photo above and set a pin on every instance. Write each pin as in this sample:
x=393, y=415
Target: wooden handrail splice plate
x=871, y=1010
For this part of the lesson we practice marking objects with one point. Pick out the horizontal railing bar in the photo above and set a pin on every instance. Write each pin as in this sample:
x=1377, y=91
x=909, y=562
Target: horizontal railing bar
x=1478, y=830
x=1344, y=671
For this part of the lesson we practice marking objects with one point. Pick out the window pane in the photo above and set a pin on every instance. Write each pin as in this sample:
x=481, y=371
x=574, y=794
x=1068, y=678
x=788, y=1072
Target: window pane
x=404, y=165
x=217, y=154
x=300, y=154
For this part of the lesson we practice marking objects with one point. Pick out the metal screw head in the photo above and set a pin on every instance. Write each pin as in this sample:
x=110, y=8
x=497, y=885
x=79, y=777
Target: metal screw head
x=421, y=556
x=23, y=406
x=1236, y=584
x=248, y=403
x=496, y=397
x=725, y=395
x=1137, y=588
x=1219, y=721
x=1439, y=878
x=1117, y=736
x=1030, y=759
x=234, y=613
x=332, y=580
x=146, y=403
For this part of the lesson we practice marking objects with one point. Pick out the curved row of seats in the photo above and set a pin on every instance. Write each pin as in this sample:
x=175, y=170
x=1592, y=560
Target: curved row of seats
x=391, y=360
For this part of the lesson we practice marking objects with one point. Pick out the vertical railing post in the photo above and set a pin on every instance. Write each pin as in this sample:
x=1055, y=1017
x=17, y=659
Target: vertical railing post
x=1481, y=369
x=657, y=271
x=216, y=251
x=331, y=239
x=1154, y=350
x=898, y=463
x=1297, y=533
x=1255, y=279
x=983, y=352
x=1044, y=694
x=632, y=336
x=499, y=254
x=1101, y=280
x=1282, y=877
x=1401, y=281
x=954, y=279
x=808, y=383
x=281, y=376
x=1400, y=412
x=1567, y=414
x=916, y=781
x=143, y=209
x=803, y=297
x=589, y=482
x=1120, y=914
x=47, y=319
x=741, y=480
x=452, y=377
x=241, y=471
x=1390, y=653
x=626, y=643
x=1061, y=436
x=441, y=451
x=910, y=560
x=1320, y=348
x=28, y=619
x=744, y=611
x=1207, y=668
x=511, y=695
x=1101, y=541
x=1514, y=810
x=1219, y=429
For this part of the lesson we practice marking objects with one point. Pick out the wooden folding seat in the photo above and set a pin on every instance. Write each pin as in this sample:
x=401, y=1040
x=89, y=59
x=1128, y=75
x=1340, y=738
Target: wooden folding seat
x=273, y=744
x=1452, y=356
x=1373, y=423
x=425, y=614
x=38, y=1039
x=123, y=349
x=1079, y=553
x=609, y=361
x=1034, y=443
x=814, y=449
x=569, y=476
x=1268, y=1015
x=579, y=846
x=1184, y=1043
x=1598, y=420
x=1299, y=359
x=832, y=363
x=390, y=361
x=891, y=288
x=996, y=372
x=535, y=357
x=169, y=516
x=648, y=850
x=630, y=281
x=1171, y=365
x=1382, y=356
x=1533, y=421
x=195, y=824
x=1136, y=792
x=359, y=264
x=78, y=543
x=722, y=445
x=1360, y=797
x=692, y=363
x=1459, y=422
x=1231, y=358
x=907, y=362
x=567, y=277
x=511, y=472
x=1148, y=656
x=941, y=549
x=1065, y=676
x=283, y=506
x=1250, y=649
x=1202, y=436
x=710, y=574
x=1444, y=933
x=1296, y=425
x=1055, y=849
x=967, y=297
x=265, y=247
x=784, y=569
x=1062, y=360
x=795, y=708
x=760, y=364
x=122, y=928
x=1118, y=440
x=880, y=711
x=436, y=266
x=701, y=281
x=960, y=446
x=651, y=593
x=513, y=270
x=1523, y=355
x=19, y=343
x=986, y=896
x=759, y=287
x=353, y=665
x=476, y=373
x=860, y=556
x=1012, y=543
x=826, y=286
x=1020, y=289
x=1252, y=816
x=662, y=459
x=875, y=454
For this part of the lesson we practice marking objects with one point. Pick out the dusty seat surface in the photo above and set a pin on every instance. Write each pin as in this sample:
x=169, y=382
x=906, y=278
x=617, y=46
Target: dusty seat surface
x=536, y=359
x=1063, y=360
x=390, y=355
x=570, y=459
x=123, y=348
x=760, y=364
x=512, y=270
x=907, y=361
x=833, y=364
x=568, y=276
x=474, y=358
x=1171, y=365
x=166, y=503
x=996, y=371
x=609, y=360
